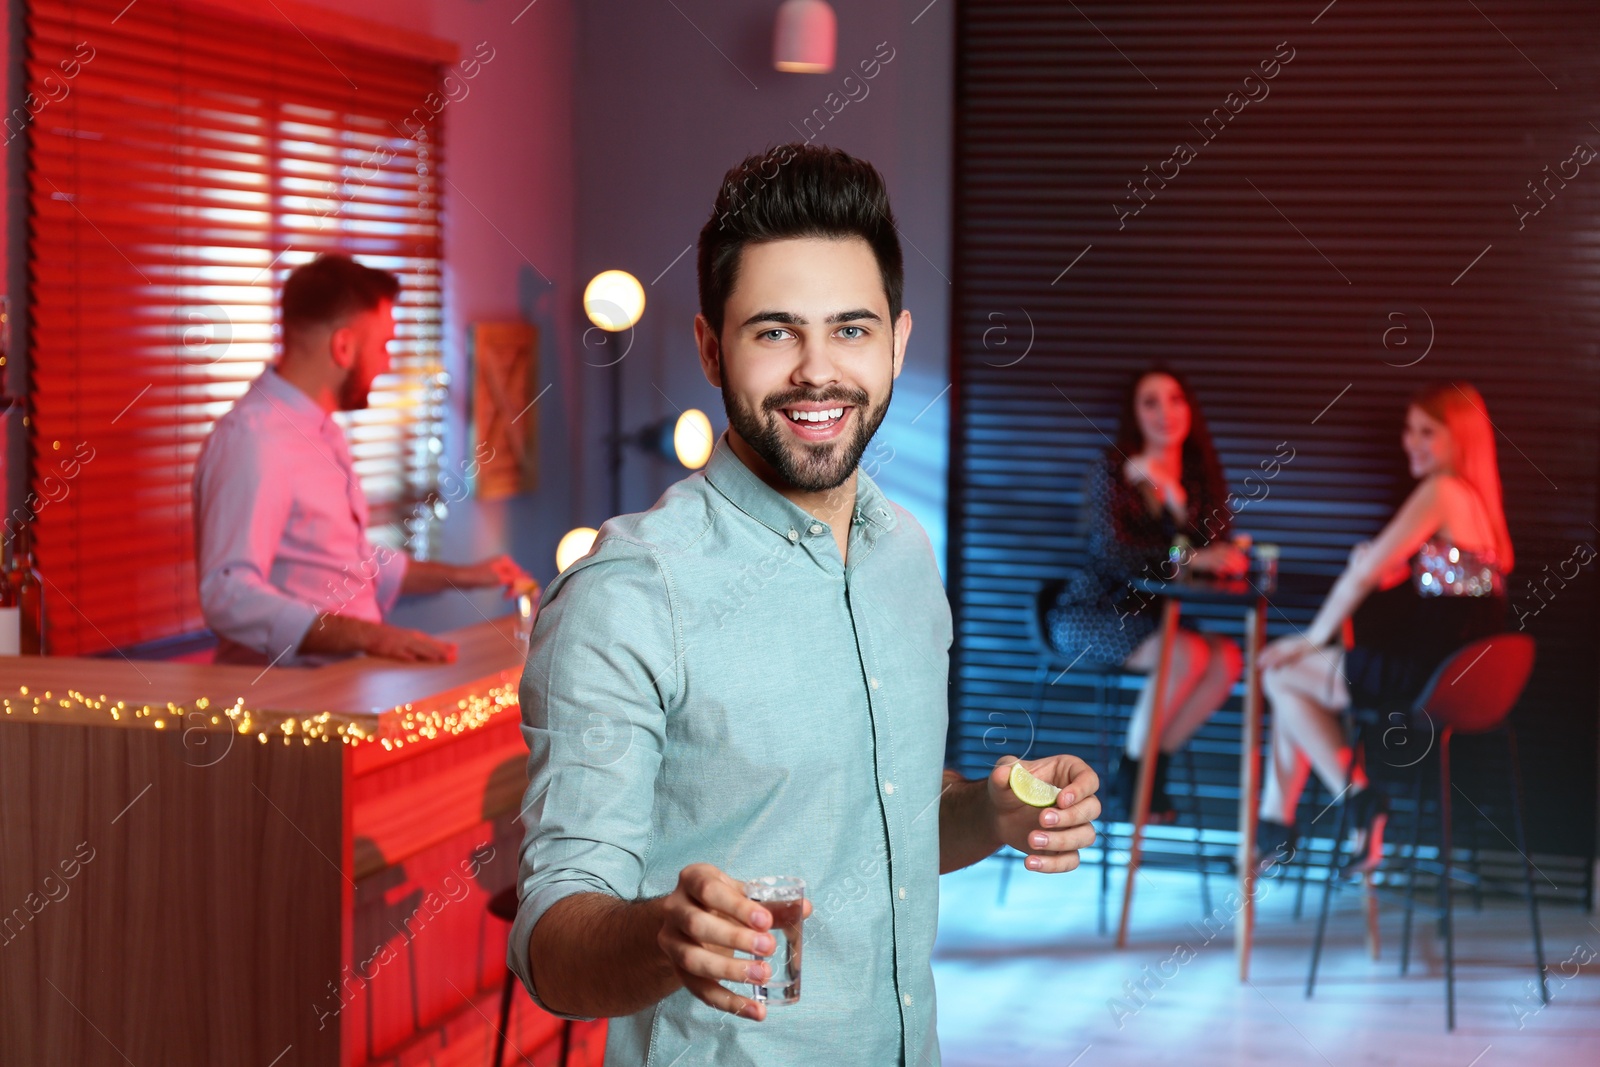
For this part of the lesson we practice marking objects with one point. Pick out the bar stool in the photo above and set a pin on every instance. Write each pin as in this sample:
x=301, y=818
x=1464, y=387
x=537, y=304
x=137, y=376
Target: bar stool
x=1106, y=680
x=1499, y=667
x=503, y=906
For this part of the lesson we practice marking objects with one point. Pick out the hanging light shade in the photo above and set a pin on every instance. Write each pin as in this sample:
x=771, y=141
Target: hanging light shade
x=804, y=36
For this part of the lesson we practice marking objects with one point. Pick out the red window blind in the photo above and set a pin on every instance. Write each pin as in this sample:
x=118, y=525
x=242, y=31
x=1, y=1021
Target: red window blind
x=180, y=161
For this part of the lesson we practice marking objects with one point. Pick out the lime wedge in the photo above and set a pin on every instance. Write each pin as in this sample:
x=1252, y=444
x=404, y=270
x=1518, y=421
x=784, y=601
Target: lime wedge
x=1031, y=790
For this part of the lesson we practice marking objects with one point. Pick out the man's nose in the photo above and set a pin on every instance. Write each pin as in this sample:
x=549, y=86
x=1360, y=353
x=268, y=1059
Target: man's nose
x=817, y=365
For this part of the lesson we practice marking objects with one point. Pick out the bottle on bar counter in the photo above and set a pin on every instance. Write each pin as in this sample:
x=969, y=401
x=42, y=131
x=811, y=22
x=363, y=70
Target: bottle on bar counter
x=26, y=590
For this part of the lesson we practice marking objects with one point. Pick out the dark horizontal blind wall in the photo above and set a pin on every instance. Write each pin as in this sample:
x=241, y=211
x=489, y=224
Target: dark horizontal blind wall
x=1364, y=225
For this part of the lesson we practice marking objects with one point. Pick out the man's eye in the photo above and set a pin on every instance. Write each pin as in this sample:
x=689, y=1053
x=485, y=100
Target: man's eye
x=849, y=336
x=774, y=334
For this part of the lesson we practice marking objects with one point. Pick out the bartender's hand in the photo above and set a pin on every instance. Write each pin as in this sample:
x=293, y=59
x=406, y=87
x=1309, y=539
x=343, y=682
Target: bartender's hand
x=502, y=571
x=703, y=921
x=339, y=634
x=409, y=646
x=1051, y=837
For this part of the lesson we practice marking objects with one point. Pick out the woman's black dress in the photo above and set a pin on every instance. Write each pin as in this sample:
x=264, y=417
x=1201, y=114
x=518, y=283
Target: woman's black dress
x=1099, y=614
x=1401, y=635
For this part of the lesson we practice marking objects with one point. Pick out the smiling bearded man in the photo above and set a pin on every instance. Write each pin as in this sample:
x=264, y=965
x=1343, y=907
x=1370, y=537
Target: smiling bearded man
x=681, y=740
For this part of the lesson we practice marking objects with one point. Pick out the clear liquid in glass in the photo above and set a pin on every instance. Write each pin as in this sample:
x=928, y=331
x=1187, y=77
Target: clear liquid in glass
x=785, y=899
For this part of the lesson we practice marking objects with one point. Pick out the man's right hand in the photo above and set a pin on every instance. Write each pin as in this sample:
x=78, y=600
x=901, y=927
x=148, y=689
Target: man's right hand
x=409, y=646
x=337, y=634
x=704, y=921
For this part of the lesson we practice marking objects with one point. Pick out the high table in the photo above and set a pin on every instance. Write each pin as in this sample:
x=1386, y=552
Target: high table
x=1251, y=594
x=218, y=865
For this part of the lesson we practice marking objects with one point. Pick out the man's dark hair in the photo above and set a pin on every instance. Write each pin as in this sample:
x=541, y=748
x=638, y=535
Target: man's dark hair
x=796, y=190
x=331, y=287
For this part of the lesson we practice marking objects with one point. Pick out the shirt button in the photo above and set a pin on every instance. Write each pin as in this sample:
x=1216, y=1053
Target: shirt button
x=907, y=999
x=888, y=787
x=902, y=892
x=816, y=527
x=873, y=682
x=794, y=535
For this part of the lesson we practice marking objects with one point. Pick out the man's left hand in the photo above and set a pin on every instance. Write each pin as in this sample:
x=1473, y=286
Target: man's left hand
x=1051, y=837
x=502, y=571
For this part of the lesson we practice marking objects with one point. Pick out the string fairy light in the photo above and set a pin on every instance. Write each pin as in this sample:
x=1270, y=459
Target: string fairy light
x=393, y=729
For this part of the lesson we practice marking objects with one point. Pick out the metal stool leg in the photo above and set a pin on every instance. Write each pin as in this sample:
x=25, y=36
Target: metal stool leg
x=1187, y=755
x=1411, y=872
x=1304, y=861
x=1527, y=861
x=1036, y=700
x=1103, y=752
x=505, y=1017
x=1472, y=864
x=1332, y=881
x=1444, y=883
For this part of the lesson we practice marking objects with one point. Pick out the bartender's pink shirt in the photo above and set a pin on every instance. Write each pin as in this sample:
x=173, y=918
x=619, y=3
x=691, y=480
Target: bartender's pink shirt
x=281, y=527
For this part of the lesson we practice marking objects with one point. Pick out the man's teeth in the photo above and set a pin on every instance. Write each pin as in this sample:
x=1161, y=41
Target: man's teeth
x=816, y=416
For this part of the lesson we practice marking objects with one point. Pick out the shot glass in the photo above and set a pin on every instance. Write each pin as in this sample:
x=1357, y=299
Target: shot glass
x=785, y=899
x=523, y=627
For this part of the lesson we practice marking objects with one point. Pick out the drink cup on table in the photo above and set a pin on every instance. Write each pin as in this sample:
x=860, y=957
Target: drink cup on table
x=785, y=899
x=1267, y=563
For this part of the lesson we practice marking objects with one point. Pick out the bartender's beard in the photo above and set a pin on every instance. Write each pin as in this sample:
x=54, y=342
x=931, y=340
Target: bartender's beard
x=354, y=389
x=812, y=468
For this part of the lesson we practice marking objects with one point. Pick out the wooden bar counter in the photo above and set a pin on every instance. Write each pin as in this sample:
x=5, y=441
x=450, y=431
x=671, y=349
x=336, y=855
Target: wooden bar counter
x=217, y=865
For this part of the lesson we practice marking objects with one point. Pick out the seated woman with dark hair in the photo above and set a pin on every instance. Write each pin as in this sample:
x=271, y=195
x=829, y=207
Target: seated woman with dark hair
x=1450, y=539
x=1161, y=480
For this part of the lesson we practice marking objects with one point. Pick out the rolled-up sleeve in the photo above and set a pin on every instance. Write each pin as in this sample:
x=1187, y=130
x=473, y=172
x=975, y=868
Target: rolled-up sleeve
x=602, y=670
x=240, y=511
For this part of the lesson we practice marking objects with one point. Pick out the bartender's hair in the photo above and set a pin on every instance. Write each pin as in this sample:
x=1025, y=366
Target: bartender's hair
x=330, y=288
x=796, y=190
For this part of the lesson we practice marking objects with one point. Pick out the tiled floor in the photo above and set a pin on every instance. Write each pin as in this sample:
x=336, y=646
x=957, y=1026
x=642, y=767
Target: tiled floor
x=1031, y=984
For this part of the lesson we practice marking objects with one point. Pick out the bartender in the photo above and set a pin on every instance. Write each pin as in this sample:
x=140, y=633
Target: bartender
x=287, y=574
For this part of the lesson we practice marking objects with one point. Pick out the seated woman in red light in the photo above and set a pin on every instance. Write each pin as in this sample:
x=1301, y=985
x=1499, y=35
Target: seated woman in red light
x=1449, y=539
x=1161, y=480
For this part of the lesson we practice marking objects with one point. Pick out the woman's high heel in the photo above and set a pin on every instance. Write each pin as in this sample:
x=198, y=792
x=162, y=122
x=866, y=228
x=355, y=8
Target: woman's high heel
x=1369, y=809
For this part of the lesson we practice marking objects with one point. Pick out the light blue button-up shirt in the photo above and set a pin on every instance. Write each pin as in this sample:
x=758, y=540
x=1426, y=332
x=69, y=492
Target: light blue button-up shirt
x=712, y=683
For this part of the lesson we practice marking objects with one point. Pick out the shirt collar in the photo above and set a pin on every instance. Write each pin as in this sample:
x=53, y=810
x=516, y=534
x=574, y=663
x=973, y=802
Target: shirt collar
x=727, y=472
x=289, y=401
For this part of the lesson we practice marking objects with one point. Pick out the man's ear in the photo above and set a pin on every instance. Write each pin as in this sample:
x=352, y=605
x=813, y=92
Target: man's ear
x=710, y=349
x=343, y=346
x=902, y=335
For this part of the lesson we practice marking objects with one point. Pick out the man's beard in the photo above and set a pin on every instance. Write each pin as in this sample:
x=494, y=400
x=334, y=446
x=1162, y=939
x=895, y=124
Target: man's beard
x=353, y=391
x=813, y=468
